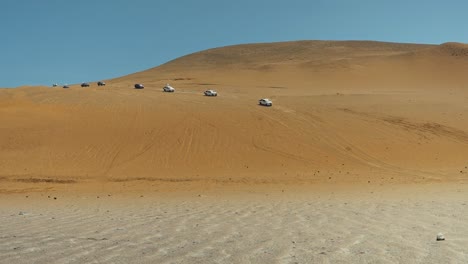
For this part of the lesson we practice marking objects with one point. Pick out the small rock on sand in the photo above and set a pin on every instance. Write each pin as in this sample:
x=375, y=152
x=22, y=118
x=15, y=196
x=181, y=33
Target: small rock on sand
x=440, y=237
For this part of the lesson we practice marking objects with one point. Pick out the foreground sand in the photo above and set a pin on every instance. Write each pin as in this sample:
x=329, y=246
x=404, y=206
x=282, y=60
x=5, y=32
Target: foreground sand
x=278, y=224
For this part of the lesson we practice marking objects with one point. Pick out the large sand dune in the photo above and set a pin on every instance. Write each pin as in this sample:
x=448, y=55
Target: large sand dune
x=343, y=111
x=361, y=159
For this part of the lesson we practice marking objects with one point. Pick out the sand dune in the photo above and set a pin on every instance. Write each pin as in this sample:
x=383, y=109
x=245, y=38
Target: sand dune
x=362, y=158
x=346, y=109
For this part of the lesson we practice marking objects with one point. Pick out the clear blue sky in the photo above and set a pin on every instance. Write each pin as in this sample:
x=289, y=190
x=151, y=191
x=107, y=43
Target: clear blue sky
x=71, y=41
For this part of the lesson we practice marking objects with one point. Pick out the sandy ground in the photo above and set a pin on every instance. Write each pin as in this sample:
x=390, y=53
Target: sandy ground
x=362, y=158
x=279, y=224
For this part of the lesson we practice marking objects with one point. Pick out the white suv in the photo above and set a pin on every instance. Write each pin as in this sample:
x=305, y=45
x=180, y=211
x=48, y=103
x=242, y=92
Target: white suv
x=211, y=93
x=168, y=88
x=265, y=102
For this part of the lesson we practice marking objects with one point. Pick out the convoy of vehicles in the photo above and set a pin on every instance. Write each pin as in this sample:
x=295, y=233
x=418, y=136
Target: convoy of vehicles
x=169, y=89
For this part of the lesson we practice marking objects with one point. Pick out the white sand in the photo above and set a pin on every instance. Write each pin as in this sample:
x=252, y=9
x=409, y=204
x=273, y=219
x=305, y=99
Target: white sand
x=395, y=224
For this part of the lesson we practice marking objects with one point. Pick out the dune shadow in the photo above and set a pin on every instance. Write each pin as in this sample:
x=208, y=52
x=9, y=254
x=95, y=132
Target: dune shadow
x=42, y=180
x=153, y=179
x=204, y=84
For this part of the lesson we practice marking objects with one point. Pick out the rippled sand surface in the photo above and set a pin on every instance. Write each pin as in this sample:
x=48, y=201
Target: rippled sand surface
x=367, y=225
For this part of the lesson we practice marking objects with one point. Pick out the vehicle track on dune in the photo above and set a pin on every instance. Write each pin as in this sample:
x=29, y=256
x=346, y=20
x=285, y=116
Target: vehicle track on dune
x=319, y=132
x=196, y=130
x=272, y=120
x=348, y=150
x=278, y=152
x=122, y=141
x=186, y=143
x=146, y=137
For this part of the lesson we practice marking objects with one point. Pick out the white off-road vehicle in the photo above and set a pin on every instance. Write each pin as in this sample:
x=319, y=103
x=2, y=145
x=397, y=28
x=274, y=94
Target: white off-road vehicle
x=211, y=93
x=265, y=102
x=168, y=89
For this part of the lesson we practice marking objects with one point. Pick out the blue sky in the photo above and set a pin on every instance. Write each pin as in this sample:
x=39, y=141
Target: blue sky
x=71, y=41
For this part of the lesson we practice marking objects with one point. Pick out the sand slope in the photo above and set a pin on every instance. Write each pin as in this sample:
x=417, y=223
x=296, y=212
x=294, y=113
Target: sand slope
x=343, y=111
